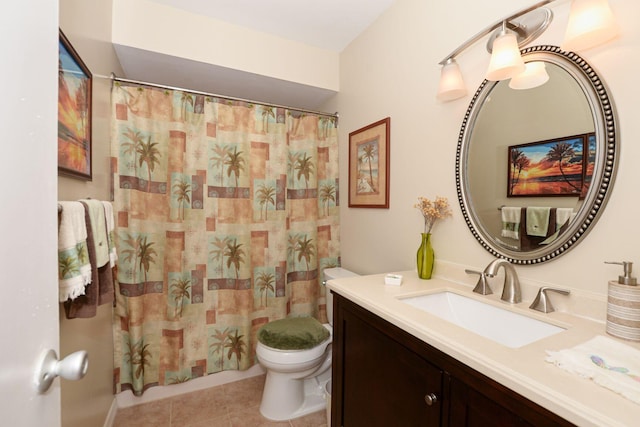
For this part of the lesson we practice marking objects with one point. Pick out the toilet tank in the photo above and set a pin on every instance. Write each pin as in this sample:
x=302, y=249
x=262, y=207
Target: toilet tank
x=330, y=274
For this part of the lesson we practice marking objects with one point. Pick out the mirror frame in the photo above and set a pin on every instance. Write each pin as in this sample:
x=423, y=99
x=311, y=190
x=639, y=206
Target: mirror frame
x=605, y=167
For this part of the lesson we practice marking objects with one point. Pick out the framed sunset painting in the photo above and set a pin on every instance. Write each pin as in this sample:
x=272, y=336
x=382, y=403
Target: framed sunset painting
x=555, y=167
x=74, y=113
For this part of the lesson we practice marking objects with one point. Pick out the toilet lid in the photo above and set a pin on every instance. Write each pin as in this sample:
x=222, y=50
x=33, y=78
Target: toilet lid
x=294, y=333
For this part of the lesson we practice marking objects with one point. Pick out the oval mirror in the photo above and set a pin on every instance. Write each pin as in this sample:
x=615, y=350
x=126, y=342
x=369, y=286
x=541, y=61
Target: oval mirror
x=534, y=167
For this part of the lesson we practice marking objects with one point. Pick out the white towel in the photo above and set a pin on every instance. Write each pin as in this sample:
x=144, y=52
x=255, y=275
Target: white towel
x=538, y=221
x=108, y=213
x=563, y=215
x=511, y=222
x=74, y=270
x=609, y=363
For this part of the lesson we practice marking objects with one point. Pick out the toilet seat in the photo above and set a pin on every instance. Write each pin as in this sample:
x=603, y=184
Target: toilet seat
x=287, y=357
x=293, y=333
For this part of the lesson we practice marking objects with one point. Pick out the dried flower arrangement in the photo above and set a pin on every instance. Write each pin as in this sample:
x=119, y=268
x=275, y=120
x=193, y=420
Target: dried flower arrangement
x=433, y=211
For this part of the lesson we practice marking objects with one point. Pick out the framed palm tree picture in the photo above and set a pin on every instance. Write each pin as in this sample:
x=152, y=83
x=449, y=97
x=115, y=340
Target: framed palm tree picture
x=74, y=113
x=369, y=166
x=555, y=167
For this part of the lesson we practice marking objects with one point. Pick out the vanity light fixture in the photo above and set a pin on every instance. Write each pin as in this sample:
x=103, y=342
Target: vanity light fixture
x=534, y=75
x=591, y=22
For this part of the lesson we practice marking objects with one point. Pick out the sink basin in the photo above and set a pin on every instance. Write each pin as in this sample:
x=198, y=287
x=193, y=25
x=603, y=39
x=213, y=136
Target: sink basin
x=502, y=326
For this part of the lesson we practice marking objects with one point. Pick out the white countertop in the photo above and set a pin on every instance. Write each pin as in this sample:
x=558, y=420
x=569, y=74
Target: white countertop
x=524, y=369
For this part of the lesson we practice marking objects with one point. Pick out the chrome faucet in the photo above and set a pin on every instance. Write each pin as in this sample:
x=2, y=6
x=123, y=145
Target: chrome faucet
x=511, y=291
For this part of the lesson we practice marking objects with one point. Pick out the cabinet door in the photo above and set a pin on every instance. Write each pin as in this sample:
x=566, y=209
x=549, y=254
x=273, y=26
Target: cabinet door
x=490, y=405
x=384, y=383
x=470, y=408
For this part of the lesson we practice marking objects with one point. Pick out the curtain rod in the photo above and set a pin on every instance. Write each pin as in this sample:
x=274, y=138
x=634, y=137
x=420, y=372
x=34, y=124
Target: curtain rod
x=213, y=95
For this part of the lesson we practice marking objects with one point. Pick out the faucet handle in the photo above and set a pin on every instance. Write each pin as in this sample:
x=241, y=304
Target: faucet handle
x=542, y=302
x=482, y=287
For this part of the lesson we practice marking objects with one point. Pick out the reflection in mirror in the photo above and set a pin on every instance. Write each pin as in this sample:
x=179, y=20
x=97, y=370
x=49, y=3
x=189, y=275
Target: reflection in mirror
x=534, y=166
x=520, y=151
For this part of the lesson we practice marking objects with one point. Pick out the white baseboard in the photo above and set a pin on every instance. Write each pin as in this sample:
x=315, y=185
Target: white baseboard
x=127, y=398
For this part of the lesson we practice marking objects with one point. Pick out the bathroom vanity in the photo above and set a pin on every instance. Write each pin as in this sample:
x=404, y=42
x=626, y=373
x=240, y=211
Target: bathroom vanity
x=394, y=364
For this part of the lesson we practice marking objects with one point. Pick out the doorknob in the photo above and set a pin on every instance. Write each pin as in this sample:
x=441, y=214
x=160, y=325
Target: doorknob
x=72, y=367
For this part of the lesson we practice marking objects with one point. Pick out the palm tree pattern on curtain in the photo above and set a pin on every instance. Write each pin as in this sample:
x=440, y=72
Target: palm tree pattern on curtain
x=227, y=212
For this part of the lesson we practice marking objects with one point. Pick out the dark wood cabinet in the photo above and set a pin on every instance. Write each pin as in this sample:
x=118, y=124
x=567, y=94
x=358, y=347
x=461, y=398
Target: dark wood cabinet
x=471, y=408
x=385, y=381
x=384, y=376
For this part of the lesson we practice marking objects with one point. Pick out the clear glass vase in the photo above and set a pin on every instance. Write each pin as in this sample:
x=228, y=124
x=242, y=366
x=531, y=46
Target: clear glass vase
x=425, y=257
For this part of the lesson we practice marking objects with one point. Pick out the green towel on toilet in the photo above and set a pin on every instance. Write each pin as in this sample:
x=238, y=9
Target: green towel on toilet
x=294, y=333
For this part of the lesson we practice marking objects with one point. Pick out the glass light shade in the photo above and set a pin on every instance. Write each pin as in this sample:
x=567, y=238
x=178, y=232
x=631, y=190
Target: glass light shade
x=506, y=61
x=534, y=75
x=591, y=23
x=451, y=85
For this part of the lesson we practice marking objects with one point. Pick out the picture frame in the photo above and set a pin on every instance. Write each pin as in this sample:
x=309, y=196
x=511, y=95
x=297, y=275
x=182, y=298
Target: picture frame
x=74, y=113
x=558, y=167
x=369, y=165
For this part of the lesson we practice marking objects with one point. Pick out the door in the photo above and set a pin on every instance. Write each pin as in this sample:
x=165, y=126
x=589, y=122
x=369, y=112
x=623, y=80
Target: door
x=28, y=196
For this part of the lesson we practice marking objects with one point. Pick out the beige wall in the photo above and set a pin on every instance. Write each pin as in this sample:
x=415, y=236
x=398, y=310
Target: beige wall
x=392, y=70
x=87, y=25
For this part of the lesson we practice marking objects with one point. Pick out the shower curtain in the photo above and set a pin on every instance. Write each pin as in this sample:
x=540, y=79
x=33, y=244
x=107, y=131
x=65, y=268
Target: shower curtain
x=227, y=213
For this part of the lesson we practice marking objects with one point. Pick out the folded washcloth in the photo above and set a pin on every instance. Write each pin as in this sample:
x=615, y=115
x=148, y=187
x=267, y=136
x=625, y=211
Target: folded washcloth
x=99, y=228
x=511, y=222
x=563, y=215
x=108, y=213
x=609, y=363
x=538, y=221
x=74, y=270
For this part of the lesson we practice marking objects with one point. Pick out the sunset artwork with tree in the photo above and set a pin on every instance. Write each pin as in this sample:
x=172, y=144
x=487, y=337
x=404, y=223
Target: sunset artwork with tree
x=556, y=167
x=74, y=113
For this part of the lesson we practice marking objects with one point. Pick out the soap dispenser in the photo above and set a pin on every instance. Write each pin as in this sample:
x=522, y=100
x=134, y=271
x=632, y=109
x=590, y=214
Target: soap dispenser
x=626, y=279
x=623, y=305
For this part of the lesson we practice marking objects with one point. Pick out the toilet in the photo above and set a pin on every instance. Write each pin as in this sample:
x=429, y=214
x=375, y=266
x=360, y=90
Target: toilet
x=296, y=378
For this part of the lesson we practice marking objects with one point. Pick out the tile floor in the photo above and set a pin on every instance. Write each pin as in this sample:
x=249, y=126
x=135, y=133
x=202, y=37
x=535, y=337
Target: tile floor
x=228, y=405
